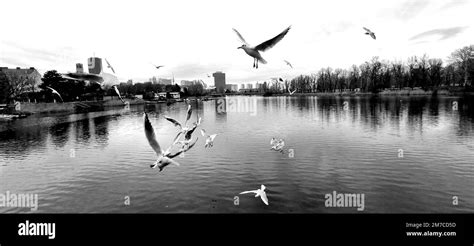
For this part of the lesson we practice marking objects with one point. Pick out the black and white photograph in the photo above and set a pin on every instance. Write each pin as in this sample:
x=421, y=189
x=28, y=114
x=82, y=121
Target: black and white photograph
x=237, y=107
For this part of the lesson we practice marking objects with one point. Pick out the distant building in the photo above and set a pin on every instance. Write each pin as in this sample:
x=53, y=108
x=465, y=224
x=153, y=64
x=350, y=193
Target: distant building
x=164, y=81
x=219, y=81
x=232, y=87
x=95, y=65
x=153, y=80
x=24, y=73
x=249, y=86
x=130, y=82
x=174, y=95
x=186, y=83
x=79, y=68
x=248, y=90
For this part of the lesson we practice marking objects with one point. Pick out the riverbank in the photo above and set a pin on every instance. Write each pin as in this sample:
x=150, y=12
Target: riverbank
x=72, y=107
x=404, y=92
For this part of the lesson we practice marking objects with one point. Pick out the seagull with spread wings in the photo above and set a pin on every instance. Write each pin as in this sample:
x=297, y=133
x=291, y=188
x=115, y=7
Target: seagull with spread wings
x=209, y=139
x=369, y=32
x=164, y=157
x=157, y=67
x=288, y=63
x=259, y=193
x=183, y=127
x=254, y=51
x=109, y=66
x=55, y=92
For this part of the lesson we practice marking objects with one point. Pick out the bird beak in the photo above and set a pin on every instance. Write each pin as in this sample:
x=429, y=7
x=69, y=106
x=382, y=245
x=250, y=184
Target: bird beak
x=240, y=47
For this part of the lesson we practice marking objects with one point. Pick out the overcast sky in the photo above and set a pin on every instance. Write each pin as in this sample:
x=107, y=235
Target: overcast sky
x=195, y=38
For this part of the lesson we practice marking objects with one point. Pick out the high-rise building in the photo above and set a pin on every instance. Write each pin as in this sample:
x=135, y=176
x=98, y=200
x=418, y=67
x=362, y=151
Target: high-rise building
x=79, y=68
x=219, y=81
x=249, y=86
x=242, y=86
x=95, y=65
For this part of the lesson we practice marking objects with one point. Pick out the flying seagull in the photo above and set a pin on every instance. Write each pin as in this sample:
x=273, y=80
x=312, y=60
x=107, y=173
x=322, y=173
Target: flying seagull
x=186, y=143
x=281, y=80
x=259, y=193
x=254, y=51
x=164, y=157
x=209, y=139
x=118, y=93
x=55, y=92
x=157, y=67
x=182, y=127
x=288, y=63
x=277, y=144
x=109, y=66
x=369, y=32
x=291, y=92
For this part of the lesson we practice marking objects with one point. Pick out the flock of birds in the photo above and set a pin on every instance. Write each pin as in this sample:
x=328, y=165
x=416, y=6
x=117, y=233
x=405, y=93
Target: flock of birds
x=166, y=157
x=178, y=147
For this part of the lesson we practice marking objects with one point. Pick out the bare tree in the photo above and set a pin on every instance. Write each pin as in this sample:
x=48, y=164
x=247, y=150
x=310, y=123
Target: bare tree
x=462, y=58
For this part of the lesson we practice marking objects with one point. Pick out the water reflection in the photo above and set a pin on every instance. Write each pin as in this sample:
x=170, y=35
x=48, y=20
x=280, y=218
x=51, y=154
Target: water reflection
x=347, y=144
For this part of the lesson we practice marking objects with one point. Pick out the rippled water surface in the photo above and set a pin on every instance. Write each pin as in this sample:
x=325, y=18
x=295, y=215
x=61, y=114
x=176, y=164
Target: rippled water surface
x=404, y=154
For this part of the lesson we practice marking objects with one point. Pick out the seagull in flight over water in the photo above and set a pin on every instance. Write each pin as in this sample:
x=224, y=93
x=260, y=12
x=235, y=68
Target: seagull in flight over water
x=164, y=157
x=259, y=193
x=209, y=139
x=369, y=32
x=277, y=144
x=109, y=66
x=254, y=51
x=55, y=92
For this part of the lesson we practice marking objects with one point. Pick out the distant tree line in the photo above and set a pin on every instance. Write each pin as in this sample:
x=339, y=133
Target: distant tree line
x=376, y=75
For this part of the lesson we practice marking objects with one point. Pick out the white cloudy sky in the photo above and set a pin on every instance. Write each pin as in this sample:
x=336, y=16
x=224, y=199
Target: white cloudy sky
x=194, y=38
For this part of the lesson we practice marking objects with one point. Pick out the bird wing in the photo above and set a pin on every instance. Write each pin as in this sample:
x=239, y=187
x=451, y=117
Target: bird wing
x=190, y=132
x=213, y=136
x=150, y=136
x=118, y=93
x=190, y=111
x=191, y=145
x=366, y=29
x=175, y=122
x=271, y=42
x=263, y=195
x=240, y=36
x=109, y=66
x=169, y=155
x=203, y=132
x=250, y=191
x=372, y=35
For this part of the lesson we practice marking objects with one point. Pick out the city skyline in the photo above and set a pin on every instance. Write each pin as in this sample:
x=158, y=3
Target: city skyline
x=324, y=34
